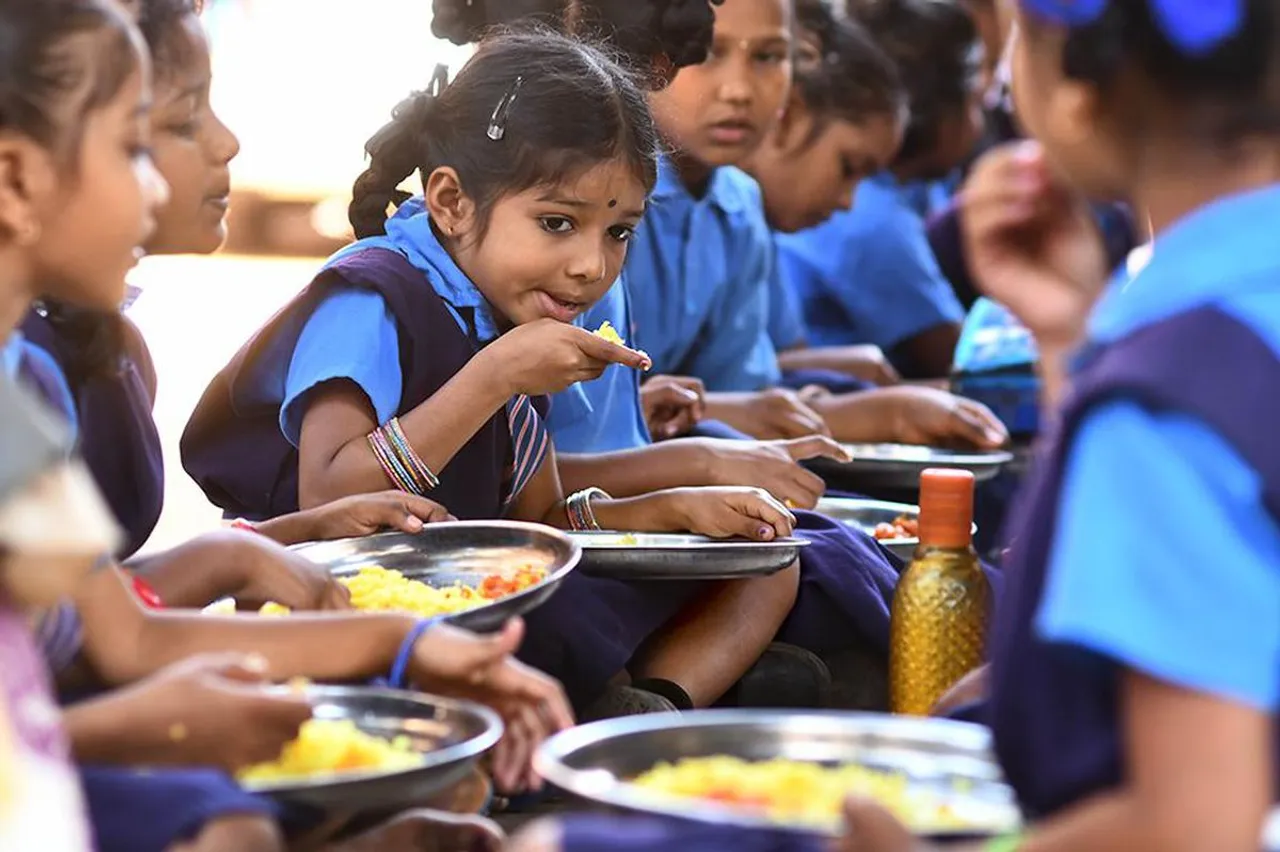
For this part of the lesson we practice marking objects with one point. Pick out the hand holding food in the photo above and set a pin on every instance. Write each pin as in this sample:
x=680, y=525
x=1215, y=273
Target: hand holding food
x=482, y=668
x=265, y=571
x=1032, y=244
x=546, y=356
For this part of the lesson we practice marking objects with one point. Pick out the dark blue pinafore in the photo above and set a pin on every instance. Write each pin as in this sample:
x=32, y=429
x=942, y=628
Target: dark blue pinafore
x=118, y=438
x=234, y=449
x=1054, y=709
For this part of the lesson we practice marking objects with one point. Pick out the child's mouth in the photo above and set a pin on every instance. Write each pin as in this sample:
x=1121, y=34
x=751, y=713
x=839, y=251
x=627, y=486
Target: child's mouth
x=730, y=132
x=556, y=308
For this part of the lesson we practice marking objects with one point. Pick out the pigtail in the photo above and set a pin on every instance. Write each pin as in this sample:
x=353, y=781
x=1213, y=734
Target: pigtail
x=395, y=153
x=90, y=343
x=459, y=21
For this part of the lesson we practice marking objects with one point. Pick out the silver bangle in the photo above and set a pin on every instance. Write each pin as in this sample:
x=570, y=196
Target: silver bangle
x=578, y=509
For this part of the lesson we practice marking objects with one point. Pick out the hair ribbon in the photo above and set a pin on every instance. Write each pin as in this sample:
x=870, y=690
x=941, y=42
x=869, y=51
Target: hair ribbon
x=1195, y=27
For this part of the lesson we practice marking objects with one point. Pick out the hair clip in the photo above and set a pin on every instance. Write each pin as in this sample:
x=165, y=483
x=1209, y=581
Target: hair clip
x=1193, y=26
x=439, y=80
x=498, y=121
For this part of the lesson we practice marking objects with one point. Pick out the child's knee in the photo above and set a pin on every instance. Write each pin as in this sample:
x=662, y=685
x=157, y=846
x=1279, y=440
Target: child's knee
x=243, y=833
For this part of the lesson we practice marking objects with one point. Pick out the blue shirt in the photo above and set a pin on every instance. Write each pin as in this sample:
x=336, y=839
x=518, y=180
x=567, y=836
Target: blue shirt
x=868, y=275
x=697, y=272
x=1165, y=558
x=786, y=323
x=605, y=415
x=18, y=354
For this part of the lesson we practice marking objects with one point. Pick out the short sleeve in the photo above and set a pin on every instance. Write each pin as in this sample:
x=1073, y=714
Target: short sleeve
x=351, y=335
x=889, y=278
x=786, y=325
x=1165, y=559
x=734, y=352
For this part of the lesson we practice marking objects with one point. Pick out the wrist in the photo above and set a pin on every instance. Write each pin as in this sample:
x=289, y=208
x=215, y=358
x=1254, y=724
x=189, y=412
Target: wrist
x=493, y=377
x=290, y=529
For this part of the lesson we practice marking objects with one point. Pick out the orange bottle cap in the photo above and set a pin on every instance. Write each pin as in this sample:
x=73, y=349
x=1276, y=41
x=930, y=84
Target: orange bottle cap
x=946, y=508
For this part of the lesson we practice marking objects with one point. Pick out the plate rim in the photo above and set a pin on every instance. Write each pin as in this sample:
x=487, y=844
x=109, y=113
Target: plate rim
x=582, y=537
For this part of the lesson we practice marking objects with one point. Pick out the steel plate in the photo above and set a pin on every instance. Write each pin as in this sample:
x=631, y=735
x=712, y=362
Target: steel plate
x=951, y=760
x=461, y=552
x=899, y=466
x=649, y=556
x=452, y=735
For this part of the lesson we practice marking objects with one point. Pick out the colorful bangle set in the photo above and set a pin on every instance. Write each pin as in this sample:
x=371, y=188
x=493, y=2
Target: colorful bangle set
x=578, y=509
x=404, y=467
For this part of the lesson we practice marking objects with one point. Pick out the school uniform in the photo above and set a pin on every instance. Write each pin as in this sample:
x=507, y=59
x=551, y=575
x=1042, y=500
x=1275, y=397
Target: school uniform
x=867, y=275
x=119, y=441
x=1149, y=535
x=696, y=272
x=396, y=317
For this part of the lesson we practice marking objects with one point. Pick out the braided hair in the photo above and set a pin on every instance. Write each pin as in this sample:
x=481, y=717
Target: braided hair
x=935, y=45
x=529, y=108
x=840, y=71
x=467, y=21
x=1228, y=91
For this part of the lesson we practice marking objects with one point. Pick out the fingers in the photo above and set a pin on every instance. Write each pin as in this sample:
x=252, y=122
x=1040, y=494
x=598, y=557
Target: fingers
x=816, y=446
x=412, y=512
x=336, y=596
x=868, y=826
x=978, y=426
x=766, y=519
x=244, y=668
x=804, y=421
x=599, y=349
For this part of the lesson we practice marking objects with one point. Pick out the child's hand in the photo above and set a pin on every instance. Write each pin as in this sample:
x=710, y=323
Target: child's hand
x=768, y=415
x=454, y=662
x=672, y=405
x=935, y=418
x=726, y=513
x=771, y=465
x=213, y=711
x=366, y=514
x=973, y=687
x=1032, y=245
x=868, y=827
x=545, y=357
x=264, y=571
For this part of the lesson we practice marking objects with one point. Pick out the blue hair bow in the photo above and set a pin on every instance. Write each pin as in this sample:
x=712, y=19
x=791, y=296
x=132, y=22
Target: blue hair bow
x=1193, y=26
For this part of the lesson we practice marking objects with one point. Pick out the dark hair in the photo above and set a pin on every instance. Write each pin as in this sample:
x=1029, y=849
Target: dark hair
x=847, y=77
x=159, y=21
x=934, y=44
x=639, y=30
x=527, y=109
x=1231, y=91
x=59, y=61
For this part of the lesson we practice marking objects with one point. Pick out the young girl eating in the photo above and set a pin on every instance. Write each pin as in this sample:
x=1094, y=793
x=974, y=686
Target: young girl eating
x=1135, y=699
x=419, y=357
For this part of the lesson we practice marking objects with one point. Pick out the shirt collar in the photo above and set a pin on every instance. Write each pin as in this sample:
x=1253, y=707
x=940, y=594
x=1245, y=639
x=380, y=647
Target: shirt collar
x=1220, y=250
x=409, y=230
x=722, y=191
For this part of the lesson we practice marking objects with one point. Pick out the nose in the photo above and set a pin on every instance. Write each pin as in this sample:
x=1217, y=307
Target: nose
x=735, y=81
x=589, y=265
x=224, y=145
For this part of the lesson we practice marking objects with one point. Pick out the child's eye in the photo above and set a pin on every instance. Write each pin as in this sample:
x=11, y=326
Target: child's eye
x=772, y=57
x=555, y=224
x=186, y=129
x=622, y=233
x=138, y=151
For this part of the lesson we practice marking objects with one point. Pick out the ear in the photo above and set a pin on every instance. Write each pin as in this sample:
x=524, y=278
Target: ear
x=450, y=207
x=27, y=179
x=1074, y=113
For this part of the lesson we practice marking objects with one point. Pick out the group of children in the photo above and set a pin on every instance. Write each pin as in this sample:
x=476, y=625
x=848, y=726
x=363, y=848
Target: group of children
x=746, y=190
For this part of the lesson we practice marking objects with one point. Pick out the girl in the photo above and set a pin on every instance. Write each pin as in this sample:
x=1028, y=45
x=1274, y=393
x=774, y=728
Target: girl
x=57, y=130
x=1108, y=702
x=882, y=286
x=545, y=142
x=842, y=124
x=698, y=270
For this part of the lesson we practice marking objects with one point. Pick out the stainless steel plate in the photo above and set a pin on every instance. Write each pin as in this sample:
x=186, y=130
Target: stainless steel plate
x=900, y=465
x=461, y=552
x=649, y=556
x=866, y=514
x=451, y=735
x=949, y=759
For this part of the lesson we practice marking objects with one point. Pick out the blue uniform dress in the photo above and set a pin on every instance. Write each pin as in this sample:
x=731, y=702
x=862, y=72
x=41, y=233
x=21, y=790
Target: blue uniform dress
x=1149, y=537
x=130, y=810
x=868, y=275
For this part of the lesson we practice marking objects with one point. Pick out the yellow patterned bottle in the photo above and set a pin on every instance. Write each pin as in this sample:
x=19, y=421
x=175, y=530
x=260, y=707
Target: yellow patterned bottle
x=938, y=625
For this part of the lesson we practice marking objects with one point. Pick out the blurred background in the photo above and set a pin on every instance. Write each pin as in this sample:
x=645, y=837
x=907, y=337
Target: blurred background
x=303, y=84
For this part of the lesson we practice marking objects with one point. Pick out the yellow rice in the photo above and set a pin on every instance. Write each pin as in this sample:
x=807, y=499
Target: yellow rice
x=327, y=746
x=795, y=791
x=379, y=589
x=609, y=333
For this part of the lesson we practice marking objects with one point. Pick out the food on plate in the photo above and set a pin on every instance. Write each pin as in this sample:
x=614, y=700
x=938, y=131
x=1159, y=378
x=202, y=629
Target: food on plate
x=328, y=746
x=609, y=333
x=797, y=792
x=378, y=589
x=903, y=526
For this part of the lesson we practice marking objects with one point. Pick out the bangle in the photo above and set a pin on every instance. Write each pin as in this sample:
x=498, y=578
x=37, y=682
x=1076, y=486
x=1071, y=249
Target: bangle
x=146, y=593
x=578, y=509
x=404, y=467
x=242, y=525
x=418, y=469
x=396, y=681
x=1007, y=843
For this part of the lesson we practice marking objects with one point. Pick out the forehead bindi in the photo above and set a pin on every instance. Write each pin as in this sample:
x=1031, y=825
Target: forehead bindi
x=752, y=23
